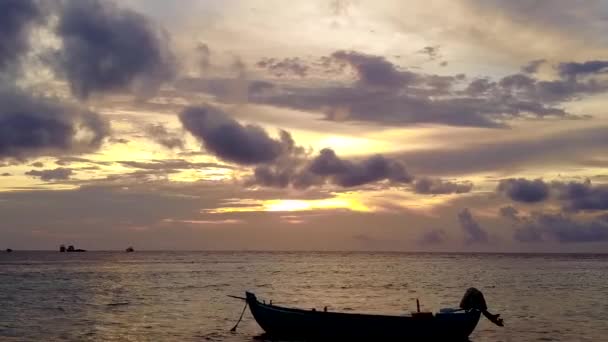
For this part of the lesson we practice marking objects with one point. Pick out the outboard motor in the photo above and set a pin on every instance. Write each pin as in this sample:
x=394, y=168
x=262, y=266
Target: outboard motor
x=473, y=300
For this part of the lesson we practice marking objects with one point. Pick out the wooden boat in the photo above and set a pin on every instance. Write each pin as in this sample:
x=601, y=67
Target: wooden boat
x=289, y=324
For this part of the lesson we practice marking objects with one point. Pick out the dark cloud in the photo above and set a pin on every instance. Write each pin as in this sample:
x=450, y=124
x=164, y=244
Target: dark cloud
x=523, y=190
x=31, y=126
x=161, y=135
x=5, y=174
x=375, y=70
x=107, y=48
x=433, y=237
x=59, y=173
x=275, y=177
x=302, y=171
x=510, y=213
x=17, y=17
x=279, y=161
x=539, y=227
x=37, y=164
x=573, y=69
x=472, y=230
x=388, y=95
x=228, y=139
x=582, y=196
x=363, y=104
x=348, y=173
x=426, y=185
x=284, y=67
x=575, y=196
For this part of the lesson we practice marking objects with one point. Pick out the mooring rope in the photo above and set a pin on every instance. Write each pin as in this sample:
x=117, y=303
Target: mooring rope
x=240, y=318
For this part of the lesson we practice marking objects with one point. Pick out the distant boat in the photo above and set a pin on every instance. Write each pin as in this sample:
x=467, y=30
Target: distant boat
x=62, y=248
x=8, y=250
x=288, y=323
x=129, y=250
x=72, y=249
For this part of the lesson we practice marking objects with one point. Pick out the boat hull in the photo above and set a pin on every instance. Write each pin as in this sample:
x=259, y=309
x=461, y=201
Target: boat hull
x=287, y=323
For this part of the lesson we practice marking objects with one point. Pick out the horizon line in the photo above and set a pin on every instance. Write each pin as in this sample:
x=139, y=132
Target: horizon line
x=317, y=251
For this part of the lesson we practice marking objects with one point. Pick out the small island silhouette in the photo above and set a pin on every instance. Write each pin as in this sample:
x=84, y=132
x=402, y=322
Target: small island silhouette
x=70, y=249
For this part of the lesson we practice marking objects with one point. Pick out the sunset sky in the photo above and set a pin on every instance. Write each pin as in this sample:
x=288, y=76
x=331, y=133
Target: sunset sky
x=452, y=125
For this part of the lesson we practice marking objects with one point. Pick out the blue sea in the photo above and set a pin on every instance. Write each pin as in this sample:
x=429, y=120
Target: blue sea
x=182, y=296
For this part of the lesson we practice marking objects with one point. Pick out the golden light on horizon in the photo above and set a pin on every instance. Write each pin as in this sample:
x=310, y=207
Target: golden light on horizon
x=292, y=205
x=305, y=205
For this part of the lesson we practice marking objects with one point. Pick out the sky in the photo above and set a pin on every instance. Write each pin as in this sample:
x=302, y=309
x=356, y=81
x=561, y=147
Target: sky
x=436, y=125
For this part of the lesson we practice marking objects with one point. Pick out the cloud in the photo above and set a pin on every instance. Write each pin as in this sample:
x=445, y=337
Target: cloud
x=161, y=135
x=473, y=231
x=118, y=140
x=571, y=146
x=204, y=55
x=284, y=67
x=573, y=69
x=533, y=66
x=575, y=196
x=432, y=52
x=539, y=227
x=523, y=190
x=385, y=94
x=229, y=140
x=17, y=17
x=426, y=185
x=348, y=173
x=171, y=164
x=304, y=171
x=375, y=70
x=33, y=126
x=107, y=48
x=51, y=174
x=224, y=89
x=510, y=213
x=280, y=162
x=565, y=27
x=582, y=196
x=433, y=237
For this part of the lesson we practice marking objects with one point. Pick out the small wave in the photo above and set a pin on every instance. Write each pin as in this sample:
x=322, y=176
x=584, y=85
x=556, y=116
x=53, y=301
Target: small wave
x=118, y=304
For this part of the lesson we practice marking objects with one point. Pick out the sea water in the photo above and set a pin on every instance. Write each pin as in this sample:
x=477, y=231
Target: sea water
x=182, y=296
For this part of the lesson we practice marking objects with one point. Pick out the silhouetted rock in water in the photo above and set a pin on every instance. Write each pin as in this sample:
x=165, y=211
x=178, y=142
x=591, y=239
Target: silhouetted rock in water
x=129, y=250
x=72, y=249
x=8, y=250
x=62, y=248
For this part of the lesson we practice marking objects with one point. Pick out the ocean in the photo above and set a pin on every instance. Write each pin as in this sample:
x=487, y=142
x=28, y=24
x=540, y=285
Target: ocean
x=182, y=296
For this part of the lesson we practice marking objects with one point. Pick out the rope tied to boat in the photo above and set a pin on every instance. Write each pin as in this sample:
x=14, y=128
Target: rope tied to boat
x=473, y=299
x=240, y=318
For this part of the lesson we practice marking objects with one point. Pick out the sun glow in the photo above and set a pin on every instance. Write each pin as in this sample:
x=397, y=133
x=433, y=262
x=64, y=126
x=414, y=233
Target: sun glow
x=305, y=205
x=290, y=205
